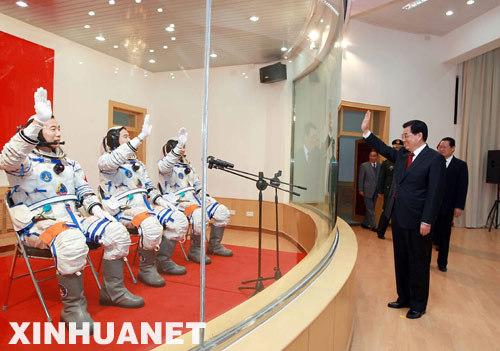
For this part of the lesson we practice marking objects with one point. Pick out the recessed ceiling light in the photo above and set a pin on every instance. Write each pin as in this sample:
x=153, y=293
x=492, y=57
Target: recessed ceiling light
x=111, y=2
x=171, y=25
x=173, y=77
x=173, y=38
x=138, y=1
x=449, y=13
x=213, y=55
x=254, y=18
x=285, y=57
x=165, y=46
x=169, y=29
x=100, y=38
x=246, y=77
x=86, y=26
x=80, y=62
x=284, y=49
x=470, y=2
x=21, y=4
x=91, y=13
x=115, y=46
x=171, y=73
x=289, y=61
x=151, y=50
x=152, y=61
x=313, y=35
x=413, y=4
x=327, y=26
x=321, y=20
x=159, y=9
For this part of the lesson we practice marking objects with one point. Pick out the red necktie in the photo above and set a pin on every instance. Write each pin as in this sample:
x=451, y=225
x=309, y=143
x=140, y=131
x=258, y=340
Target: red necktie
x=410, y=159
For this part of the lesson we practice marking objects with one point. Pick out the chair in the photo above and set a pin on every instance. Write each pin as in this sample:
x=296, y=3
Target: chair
x=30, y=253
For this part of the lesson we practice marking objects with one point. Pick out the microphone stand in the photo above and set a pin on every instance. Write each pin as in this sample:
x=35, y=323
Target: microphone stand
x=261, y=184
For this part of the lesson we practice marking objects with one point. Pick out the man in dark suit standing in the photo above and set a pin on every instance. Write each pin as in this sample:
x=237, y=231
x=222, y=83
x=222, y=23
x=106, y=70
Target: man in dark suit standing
x=384, y=183
x=457, y=182
x=419, y=191
x=367, y=187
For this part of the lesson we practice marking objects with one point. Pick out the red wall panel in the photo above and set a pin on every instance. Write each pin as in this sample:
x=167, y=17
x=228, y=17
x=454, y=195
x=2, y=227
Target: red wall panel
x=24, y=66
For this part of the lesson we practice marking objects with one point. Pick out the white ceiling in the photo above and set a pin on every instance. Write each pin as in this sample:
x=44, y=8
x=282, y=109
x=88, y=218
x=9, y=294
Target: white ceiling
x=428, y=18
x=234, y=38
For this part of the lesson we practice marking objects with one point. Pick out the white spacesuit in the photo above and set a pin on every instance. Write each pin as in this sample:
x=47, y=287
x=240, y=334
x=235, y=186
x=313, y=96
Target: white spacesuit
x=179, y=183
x=127, y=191
x=46, y=191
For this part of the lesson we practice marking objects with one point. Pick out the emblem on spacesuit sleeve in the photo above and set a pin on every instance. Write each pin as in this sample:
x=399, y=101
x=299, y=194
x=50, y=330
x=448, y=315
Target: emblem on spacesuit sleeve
x=46, y=176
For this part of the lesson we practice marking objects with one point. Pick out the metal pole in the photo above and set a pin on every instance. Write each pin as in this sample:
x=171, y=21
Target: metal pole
x=204, y=180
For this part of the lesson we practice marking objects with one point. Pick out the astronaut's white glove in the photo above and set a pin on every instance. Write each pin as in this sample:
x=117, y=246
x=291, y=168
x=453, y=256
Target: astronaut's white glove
x=146, y=128
x=43, y=107
x=164, y=203
x=182, y=138
x=100, y=213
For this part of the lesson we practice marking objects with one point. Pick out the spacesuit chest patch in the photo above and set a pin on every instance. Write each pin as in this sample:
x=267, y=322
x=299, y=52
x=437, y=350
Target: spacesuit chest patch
x=61, y=189
x=46, y=176
x=128, y=173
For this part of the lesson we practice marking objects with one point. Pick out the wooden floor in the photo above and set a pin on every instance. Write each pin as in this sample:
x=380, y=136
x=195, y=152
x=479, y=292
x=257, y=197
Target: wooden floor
x=463, y=312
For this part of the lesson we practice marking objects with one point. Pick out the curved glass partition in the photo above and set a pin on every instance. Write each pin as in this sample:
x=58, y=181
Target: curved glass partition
x=252, y=90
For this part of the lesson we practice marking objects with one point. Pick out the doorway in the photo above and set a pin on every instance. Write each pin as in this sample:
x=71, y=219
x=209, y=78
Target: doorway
x=353, y=151
x=131, y=117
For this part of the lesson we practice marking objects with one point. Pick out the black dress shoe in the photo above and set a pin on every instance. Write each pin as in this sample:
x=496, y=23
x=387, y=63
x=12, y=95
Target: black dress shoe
x=414, y=314
x=365, y=226
x=443, y=269
x=397, y=304
x=380, y=236
x=374, y=230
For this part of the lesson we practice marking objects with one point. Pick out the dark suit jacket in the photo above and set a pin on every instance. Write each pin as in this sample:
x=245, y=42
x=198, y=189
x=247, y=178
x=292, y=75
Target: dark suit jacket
x=420, y=188
x=457, y=182
x=385, y=177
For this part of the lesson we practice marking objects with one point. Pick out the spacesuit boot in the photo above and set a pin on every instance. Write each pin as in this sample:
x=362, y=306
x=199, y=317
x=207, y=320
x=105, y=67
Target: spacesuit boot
x=195, y=250
x=74, y=302
x=214, y=244
x=113, y=292
x=163, y=262
x=147, y=269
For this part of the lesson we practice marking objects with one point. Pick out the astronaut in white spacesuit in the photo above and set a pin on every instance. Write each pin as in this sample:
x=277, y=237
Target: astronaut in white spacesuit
x=128, y=194
x=180, y=184
x=46, y=190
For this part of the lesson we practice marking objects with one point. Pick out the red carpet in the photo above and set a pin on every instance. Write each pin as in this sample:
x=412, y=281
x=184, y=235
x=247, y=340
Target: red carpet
x=178, y=301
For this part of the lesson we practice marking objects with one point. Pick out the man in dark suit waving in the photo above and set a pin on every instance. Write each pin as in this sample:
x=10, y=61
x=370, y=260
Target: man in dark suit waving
x=419, y=191
x=457, y=181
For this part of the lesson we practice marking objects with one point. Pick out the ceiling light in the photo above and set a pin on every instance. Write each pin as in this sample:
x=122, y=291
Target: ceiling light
x=289, y=61
x=254, y=18
x=171, y=74
x=449, y=13
x=169, y=29
x=213, y=55
x=173, y=38
x=91, y=13
x=115, y=46
x=152, y=61
x=327, y=26
x=321, y=20
x=111, y=2
x=171, y=25
x=151, y=50
x=469, y=2
x=165, y=46
x=284, y=49
x=285, y=57
x=100, y=38
x=413, y=4
x=246, y=77
x=86, y=26
x=21, y=4
x=138, y=1
x=313, y=35
x=159, y=9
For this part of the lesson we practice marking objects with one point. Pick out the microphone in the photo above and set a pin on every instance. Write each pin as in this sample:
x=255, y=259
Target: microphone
x=212, y=161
